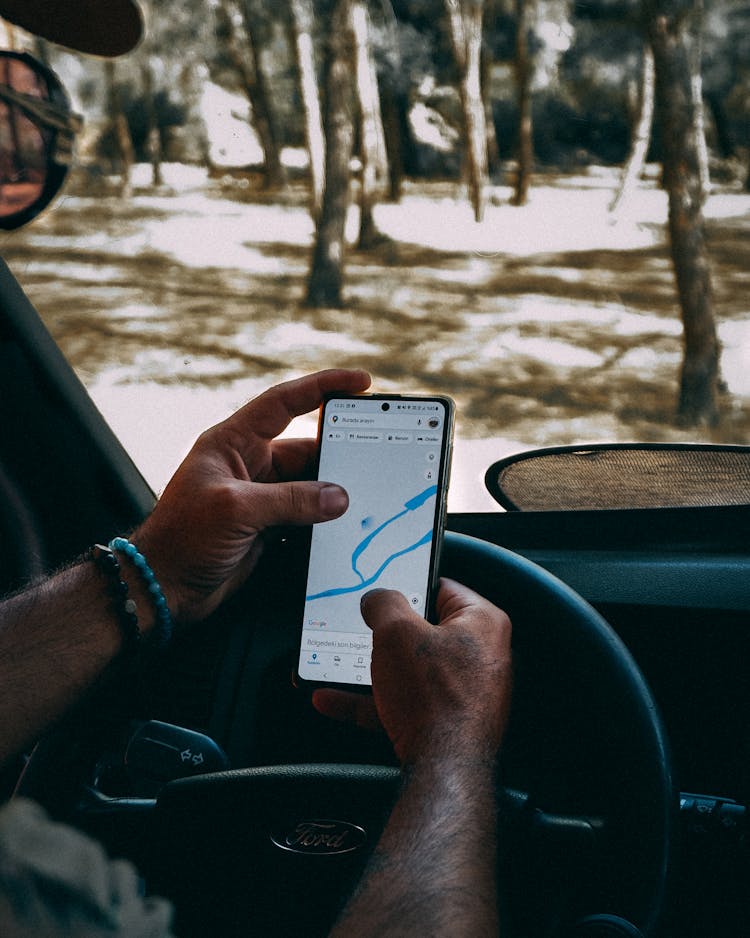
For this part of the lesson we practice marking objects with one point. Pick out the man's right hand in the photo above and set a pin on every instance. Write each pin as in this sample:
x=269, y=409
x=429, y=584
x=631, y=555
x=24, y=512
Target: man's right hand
x=435, y=687
x=442, y=692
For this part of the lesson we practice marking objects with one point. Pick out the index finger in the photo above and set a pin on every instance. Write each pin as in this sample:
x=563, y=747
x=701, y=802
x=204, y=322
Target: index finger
x=267, y=415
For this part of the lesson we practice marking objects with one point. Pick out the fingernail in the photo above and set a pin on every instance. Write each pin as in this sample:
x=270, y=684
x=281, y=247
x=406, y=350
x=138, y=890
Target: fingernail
x=333, y=501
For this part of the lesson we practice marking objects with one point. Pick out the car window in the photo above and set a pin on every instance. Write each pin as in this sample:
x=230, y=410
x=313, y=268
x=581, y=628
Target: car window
x=183, y=269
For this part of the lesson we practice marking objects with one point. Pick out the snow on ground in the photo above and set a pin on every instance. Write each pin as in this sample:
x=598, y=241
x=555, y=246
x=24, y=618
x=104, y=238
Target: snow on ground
x=203, y=230
x=552, y=223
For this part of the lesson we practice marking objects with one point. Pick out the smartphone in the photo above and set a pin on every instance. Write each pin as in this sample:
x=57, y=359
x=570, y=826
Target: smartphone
x=392, y=455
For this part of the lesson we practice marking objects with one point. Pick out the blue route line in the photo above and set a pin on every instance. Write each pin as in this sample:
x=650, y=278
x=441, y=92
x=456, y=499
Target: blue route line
x=416, y=502
x=339, y=591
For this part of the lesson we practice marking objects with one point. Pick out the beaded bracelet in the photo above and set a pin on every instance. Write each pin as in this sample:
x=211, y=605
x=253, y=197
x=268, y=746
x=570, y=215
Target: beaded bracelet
x=124, y=607
x=163, y=617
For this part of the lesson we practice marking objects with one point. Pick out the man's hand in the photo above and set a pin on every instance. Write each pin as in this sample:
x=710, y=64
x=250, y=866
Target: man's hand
x=202, y=539
x=436, y=688
x=442, y=693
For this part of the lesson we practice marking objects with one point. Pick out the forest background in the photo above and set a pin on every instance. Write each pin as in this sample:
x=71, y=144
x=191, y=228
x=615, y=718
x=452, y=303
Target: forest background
x=501, y=106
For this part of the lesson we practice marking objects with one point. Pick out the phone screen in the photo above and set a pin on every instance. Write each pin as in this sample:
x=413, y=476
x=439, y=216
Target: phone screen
x=392, y=455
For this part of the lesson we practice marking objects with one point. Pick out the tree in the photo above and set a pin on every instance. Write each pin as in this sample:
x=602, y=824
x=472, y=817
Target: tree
x=726, y=53
x=403, y=51
x=493, y=150
x=696, y=85
x=371, y=136
x=260, y=96
x=667, y=23
x=153, y=135
x=121, y=137
x=641, y=132
x=327, y=270
x=245, y=58
x=465, y=27
x=301, y=23
x=393, y=111
x=148, y=61
x=525, y=15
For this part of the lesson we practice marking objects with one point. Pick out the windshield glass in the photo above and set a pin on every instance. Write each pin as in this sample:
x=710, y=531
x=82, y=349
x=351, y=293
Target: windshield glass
x=502, y=189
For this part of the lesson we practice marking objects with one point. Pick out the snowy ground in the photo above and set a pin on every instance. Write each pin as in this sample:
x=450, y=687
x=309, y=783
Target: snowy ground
x=548, y=324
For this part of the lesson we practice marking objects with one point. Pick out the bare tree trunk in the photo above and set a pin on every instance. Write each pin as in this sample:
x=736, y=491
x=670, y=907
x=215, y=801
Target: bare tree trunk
x=327, y=270
x=641, y=132
x=493, y=150
x=119, y=124
x=393, y=141
x=261, y=103
x=302, y=21
x=696, y=85
x=371, y=137
x=465, y=24
x=153, y=139
x=524, y=72
x=246, y=63
x=699, y=380
x=394, y=109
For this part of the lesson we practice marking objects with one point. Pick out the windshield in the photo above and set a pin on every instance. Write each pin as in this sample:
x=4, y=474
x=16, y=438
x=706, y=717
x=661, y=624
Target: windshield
x=511, y=249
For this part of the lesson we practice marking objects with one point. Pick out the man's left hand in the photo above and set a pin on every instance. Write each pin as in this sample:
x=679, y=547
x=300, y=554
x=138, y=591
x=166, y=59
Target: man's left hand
x=202, y=538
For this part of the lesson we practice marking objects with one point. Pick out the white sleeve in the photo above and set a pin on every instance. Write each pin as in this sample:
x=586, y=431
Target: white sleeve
x=56, y=882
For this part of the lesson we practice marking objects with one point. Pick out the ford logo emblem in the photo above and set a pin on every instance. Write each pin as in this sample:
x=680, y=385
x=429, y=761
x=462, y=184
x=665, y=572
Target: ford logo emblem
x=320, y=837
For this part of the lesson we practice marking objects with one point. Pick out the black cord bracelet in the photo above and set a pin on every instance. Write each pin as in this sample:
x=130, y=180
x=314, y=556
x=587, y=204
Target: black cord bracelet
x=124, y=608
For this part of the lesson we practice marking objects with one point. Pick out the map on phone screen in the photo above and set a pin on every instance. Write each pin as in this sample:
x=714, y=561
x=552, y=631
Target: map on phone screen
x=389, y=463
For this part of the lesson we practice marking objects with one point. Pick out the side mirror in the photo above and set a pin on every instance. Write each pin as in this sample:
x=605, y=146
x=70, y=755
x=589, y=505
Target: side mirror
x=37, y=130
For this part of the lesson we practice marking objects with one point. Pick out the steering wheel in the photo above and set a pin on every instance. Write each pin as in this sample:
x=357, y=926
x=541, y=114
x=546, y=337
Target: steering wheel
x=585, y=808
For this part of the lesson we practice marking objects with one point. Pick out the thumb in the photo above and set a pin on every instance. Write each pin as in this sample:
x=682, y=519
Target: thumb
x=271, y=504
x=382, y=607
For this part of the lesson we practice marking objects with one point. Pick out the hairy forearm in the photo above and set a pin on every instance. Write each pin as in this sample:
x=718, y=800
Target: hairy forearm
x=56, y=639
x=433, y=871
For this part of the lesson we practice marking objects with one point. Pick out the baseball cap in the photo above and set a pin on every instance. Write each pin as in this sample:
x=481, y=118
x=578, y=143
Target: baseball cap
x=98, y=27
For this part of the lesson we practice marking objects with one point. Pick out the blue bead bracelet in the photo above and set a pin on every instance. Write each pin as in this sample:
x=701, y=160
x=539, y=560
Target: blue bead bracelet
x=163, y=617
